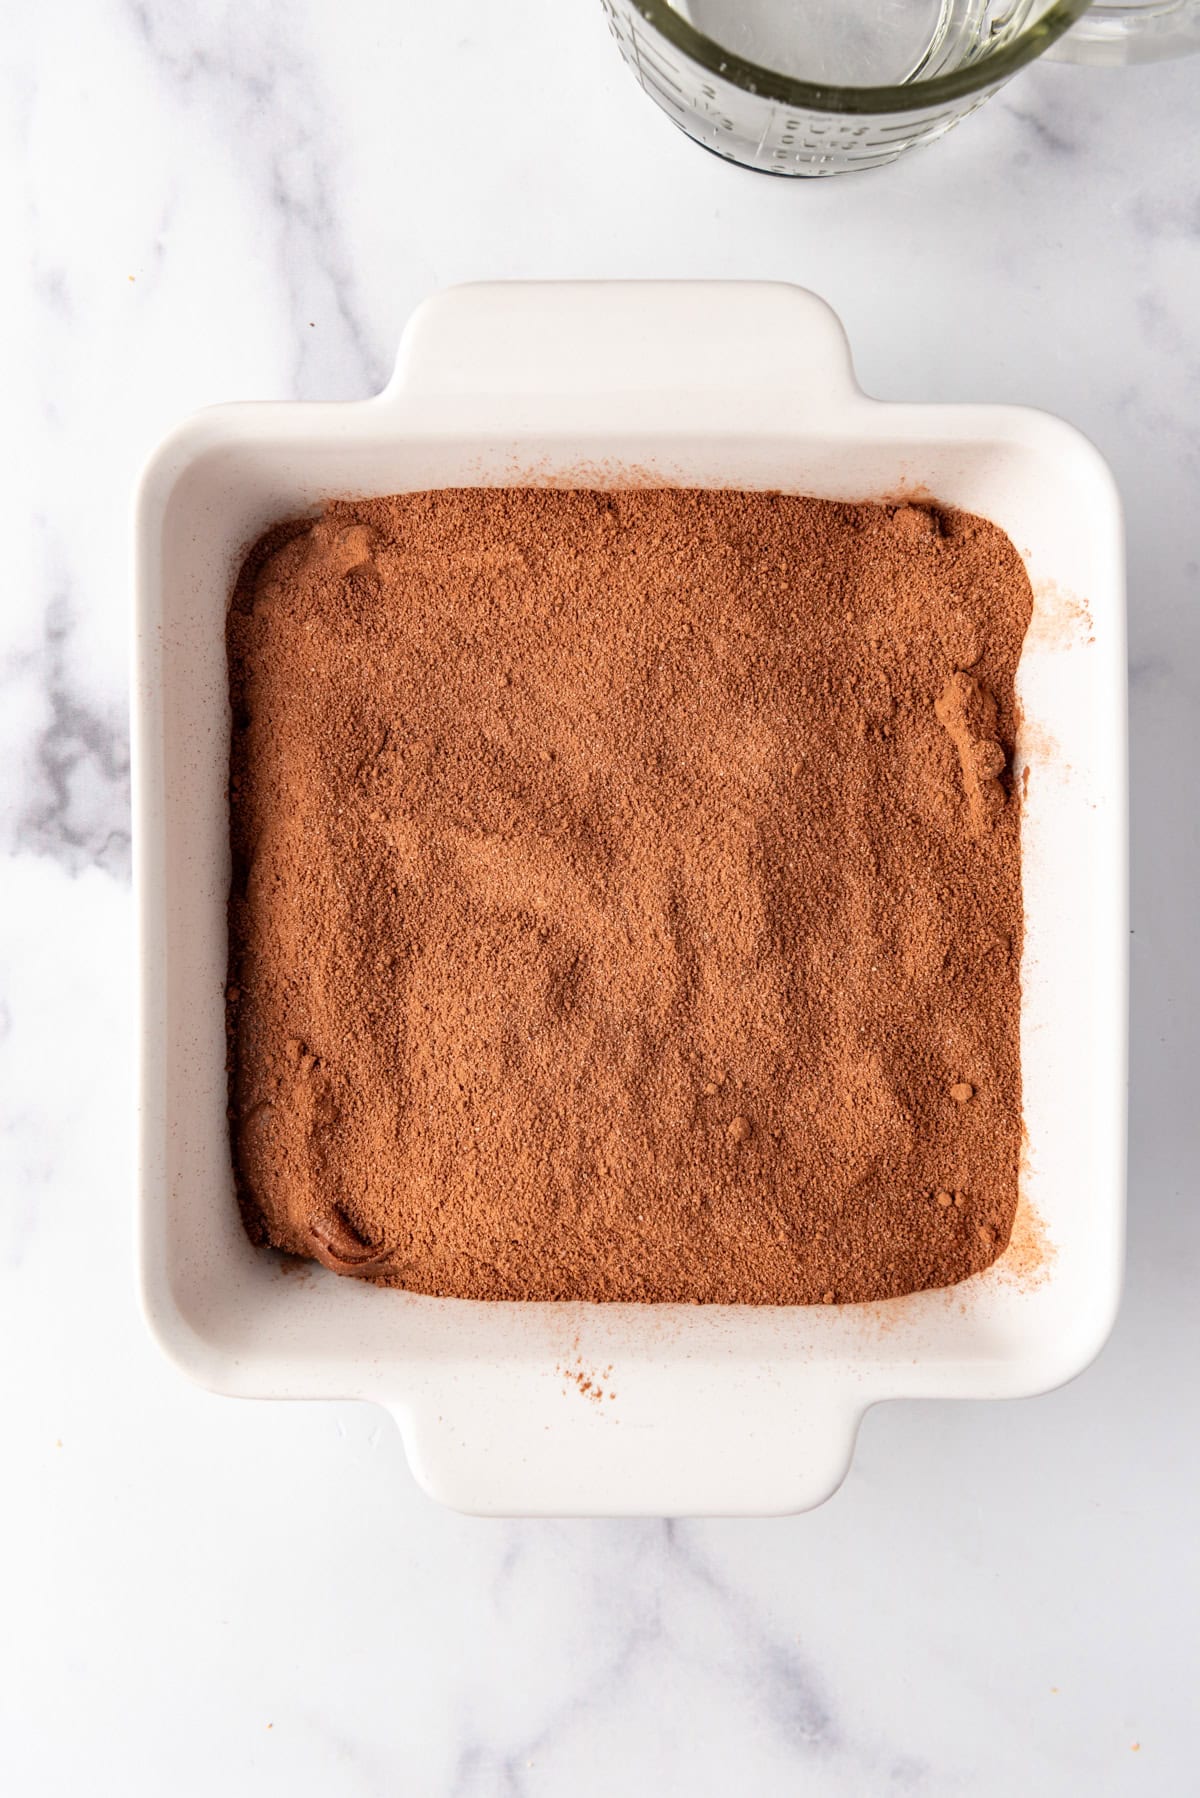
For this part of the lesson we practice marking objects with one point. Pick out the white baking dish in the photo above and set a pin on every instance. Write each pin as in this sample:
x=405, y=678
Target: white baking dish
x=720, y=1410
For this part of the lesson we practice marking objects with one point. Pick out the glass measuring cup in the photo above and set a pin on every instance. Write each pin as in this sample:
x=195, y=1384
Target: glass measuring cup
x=816, y=87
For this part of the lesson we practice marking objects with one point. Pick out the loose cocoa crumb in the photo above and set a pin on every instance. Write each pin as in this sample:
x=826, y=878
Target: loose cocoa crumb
x=944, y=1199
x=740, y=1129
x=590, y=1385
x=962, y=1092
x=480, y=996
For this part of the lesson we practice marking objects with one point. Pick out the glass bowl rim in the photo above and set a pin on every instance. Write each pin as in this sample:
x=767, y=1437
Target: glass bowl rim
x=813, y=96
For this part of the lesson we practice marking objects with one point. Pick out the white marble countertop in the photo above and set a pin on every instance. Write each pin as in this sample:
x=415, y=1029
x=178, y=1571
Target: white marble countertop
x=246, y=200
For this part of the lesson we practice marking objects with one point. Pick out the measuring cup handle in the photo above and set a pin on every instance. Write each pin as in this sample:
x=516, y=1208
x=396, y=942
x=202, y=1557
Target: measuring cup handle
x=1107, y=35
x=684, y=343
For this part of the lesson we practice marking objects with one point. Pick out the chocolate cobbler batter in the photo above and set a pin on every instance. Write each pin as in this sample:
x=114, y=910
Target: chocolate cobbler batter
x=627, y=894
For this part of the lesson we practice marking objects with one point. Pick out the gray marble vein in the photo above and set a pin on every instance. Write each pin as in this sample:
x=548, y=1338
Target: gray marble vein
x=75, y=807
x=245, y=74
x=1044, y=134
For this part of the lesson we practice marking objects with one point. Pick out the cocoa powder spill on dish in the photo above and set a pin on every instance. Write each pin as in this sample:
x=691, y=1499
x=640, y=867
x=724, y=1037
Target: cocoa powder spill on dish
x=627, y=894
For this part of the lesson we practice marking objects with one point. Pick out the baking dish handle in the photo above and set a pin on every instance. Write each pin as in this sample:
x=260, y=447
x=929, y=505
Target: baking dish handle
x=657, y=1441
x=753, y=342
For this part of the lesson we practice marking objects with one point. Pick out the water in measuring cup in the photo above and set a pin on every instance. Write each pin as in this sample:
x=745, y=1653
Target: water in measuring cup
x=865, y=43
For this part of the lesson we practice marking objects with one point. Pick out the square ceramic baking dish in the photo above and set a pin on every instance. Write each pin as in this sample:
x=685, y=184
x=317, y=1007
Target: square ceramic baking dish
x=704, y=1410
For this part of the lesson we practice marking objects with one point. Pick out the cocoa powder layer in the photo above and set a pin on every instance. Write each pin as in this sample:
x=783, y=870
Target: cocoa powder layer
x=627, y=896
